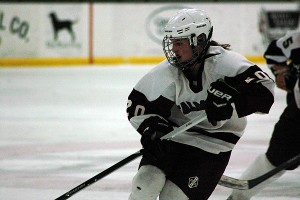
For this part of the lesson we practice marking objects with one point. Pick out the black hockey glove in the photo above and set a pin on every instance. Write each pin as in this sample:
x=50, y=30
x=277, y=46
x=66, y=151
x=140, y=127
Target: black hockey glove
x=154, y=148
x=153, y=129
x=218, y=107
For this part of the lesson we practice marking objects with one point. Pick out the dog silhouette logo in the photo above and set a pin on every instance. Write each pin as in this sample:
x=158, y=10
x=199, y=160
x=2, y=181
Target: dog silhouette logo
x=62, y=25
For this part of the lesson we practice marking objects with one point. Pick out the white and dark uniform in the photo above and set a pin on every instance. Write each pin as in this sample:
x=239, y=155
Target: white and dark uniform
x=285, y=141
x=204, y=150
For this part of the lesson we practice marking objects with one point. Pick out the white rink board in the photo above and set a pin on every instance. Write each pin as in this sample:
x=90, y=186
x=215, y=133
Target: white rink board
x=119, y=30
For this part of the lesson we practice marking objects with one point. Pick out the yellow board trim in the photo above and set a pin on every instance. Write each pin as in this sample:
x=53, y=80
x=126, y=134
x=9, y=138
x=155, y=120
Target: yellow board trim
x=46, y=62
x=256, y=59
x=109, y=61
x=40, y=62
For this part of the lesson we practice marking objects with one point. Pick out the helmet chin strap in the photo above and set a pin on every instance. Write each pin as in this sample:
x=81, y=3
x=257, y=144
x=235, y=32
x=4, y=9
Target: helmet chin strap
x=197, y=58
x=193, y=40
x=200, y=55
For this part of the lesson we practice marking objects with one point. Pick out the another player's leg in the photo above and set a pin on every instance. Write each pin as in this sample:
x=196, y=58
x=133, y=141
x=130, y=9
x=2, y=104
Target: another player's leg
x=284, y=145
x=260, y=166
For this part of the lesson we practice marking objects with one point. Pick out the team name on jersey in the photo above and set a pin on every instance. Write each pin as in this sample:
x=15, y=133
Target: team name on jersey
x=187, y=107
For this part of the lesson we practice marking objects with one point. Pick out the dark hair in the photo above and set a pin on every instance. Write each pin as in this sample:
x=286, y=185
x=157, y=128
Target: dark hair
x=225, y=46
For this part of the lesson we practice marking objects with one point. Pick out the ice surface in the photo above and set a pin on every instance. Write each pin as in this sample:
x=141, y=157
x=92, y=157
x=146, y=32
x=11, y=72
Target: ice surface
x=60, y=126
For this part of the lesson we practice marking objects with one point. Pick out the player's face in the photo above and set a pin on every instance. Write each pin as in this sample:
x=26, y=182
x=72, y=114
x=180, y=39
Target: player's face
x=182, y=49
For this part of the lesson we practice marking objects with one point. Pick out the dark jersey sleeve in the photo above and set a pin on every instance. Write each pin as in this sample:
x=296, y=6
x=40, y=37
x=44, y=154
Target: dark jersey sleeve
x=139, y=105
x=255, y=87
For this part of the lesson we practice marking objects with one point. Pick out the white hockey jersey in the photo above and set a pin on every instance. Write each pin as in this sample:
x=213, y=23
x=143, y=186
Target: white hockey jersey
x=167, y=92
x=286, y=49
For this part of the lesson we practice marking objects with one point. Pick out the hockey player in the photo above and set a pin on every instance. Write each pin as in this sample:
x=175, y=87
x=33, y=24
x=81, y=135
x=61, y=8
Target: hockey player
x=199, y=77
x=283, y=58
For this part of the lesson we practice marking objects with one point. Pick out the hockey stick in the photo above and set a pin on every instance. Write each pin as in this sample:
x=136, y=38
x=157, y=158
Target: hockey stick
x=248, y=184
x=128, y=159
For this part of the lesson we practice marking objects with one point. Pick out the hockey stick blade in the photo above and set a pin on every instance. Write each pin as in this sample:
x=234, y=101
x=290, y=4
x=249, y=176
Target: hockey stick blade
x=248, y=184
x=130, y=158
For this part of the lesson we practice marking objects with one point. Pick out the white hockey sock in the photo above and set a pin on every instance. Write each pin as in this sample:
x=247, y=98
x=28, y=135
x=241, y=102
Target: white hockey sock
x=260, y=166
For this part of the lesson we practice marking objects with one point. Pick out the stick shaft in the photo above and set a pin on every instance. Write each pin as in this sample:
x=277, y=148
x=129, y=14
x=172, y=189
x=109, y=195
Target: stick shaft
x=99, y=176
x=184, y=127
x=248, y=184
x=291, y=162
x=128, y=159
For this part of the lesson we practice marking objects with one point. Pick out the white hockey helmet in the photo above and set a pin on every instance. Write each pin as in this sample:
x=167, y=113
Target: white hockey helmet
x=193, y=24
